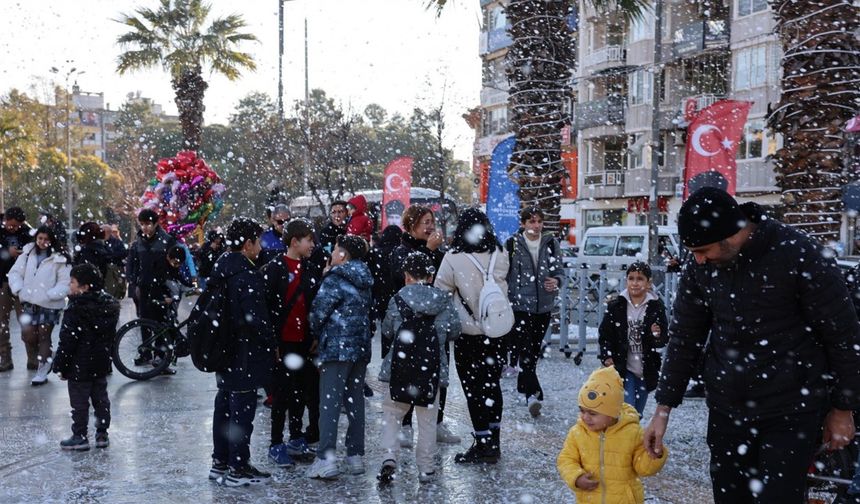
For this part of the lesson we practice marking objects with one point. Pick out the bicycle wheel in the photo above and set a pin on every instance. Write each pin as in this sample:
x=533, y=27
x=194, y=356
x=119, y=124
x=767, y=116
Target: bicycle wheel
x=143, y=349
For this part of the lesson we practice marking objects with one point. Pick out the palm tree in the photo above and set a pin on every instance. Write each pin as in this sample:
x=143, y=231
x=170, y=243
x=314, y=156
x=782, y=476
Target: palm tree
x=174, y=37
x=539, y=66
x=821, y=72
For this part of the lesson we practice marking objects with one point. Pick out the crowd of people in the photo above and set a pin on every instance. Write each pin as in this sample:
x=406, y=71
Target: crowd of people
x=762, y=315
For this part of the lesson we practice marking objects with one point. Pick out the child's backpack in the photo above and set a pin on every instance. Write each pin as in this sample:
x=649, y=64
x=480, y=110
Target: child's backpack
x=495, y=315
x=115, y=283
x=415, y=358
x=209, y=337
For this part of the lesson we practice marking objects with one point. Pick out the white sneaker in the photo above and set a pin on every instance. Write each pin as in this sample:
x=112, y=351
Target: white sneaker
x=323, y=469
x=444, y=435
x=355, y=464
x=534, y=406
x=41, y=377
x=406, y=435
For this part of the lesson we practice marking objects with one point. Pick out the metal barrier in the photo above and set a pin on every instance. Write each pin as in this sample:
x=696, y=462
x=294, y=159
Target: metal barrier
x=585, y=292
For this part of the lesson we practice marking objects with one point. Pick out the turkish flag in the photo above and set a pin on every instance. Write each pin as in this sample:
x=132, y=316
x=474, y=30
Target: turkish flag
x=712, y=143
x=396, y=190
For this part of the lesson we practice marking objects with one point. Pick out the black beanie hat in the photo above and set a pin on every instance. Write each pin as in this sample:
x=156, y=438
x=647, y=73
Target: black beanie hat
x=354, y=245
x=710, y=215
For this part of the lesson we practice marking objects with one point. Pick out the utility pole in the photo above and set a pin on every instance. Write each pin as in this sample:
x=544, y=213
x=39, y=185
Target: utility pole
x=70, y=201
x=657, y=83
x=307, y=157
x=281, y=60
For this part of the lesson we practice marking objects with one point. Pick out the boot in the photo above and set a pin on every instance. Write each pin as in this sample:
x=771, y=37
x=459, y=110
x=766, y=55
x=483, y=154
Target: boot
x=32, y=356
x=495, y=441
x=481, y=451
x=6, y=359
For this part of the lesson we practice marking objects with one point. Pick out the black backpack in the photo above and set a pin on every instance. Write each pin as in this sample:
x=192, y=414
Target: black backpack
x=415, y=358
x=209, y=338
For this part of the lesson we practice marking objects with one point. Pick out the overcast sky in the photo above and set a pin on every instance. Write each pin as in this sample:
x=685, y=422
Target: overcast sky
x=391, y=52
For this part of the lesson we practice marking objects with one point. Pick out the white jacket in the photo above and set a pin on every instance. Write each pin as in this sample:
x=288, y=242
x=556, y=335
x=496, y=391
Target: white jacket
x=457, y=274
x=46, y=285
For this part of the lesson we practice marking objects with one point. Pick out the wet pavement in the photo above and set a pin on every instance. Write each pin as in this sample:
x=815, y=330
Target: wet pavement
x=161, y=445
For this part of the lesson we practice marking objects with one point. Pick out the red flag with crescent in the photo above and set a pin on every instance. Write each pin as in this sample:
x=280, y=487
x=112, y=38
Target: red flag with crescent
x=712, y=143
x=396, y=188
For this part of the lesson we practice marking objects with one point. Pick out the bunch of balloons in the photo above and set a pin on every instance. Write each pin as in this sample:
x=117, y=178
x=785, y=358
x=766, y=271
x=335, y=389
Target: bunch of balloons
x=185, y=193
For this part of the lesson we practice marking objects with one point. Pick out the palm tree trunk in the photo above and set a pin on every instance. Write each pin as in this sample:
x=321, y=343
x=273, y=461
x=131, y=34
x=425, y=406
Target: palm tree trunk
x=190, y=89
x=820, y=91
x=539, y=68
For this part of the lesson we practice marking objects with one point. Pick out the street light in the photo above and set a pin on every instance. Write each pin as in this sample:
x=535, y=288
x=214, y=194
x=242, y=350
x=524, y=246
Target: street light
x=306, y=157
x=70, y=202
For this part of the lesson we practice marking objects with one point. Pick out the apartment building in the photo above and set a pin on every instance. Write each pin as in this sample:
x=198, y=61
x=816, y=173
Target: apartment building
x=724, y=50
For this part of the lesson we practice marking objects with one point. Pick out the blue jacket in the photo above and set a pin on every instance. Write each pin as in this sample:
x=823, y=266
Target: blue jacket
x=255, y=337
x=340, y=314
x=273, y=245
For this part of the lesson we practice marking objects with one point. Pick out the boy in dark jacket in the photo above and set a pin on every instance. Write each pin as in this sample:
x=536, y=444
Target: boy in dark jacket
x=83, y=354
x=252, y=361
x=292, y=281
x=632, y=330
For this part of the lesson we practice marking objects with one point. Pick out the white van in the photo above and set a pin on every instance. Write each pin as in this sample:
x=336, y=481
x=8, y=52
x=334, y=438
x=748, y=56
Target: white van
x=619, y=246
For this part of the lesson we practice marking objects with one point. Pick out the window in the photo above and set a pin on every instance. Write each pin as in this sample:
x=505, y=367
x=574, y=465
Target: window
x=637, y=150
x=498, y=120
x=747, y=7
x=756, y=142
x=629, y=246
x=497, y=19
x=494, y=73
x=751, y=68
x=599, y=245
x=643, y=27
x=640, y=87
x=614, y=155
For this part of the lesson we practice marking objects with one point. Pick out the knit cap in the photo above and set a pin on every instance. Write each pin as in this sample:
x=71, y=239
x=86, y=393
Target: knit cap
x=603, y=392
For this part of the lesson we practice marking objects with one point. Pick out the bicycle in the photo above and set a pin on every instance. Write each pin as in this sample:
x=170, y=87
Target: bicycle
x=144, y=348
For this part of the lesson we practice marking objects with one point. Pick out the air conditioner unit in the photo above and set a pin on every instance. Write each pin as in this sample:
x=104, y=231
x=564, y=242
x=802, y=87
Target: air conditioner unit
x=611, y=178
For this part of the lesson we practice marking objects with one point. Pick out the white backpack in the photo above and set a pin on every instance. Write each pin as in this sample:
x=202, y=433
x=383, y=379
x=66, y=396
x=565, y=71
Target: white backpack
x=495, y=315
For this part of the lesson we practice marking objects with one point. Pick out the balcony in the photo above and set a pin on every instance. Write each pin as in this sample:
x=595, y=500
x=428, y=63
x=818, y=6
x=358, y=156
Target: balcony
x=756, y=176
x=492, y=94
x=692, y=105
x=637, y=182
x=494, y=40
x=602, y=185
x=607, y=112
x=700, y=35
x=605, y=57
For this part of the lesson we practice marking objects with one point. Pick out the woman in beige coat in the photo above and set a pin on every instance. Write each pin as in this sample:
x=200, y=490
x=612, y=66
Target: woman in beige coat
x=479, y=359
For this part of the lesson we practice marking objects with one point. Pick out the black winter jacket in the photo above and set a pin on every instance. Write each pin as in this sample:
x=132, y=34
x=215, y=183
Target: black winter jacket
x=86, y=336
x=7, y=240
x=254, y=350
x=96, y=253
x=614, y=343
x=780, y=320
x=409, y=244
x=328, y=236
x=277, y=279
x=145, y=259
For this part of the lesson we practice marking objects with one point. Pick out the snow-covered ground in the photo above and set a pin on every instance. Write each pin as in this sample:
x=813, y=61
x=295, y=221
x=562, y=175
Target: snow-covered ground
x=161, y=444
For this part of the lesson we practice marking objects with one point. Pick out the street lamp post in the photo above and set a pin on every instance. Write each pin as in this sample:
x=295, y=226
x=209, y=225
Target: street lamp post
x=70, y=202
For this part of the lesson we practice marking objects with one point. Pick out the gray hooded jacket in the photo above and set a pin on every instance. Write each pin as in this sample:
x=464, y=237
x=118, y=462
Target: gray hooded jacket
x=427, y=300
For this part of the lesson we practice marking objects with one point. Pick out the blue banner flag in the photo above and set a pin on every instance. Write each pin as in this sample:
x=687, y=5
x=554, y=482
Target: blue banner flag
x=503, y=201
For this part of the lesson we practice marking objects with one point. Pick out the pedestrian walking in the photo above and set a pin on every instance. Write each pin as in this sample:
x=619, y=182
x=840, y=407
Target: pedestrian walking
x=534, y=277
x=339, y=320
x=40, y=280
x=253, y=356
x=603, y=457
x=631, y=333
x=781, y=322
x=419, y=323
x=14, y=234
x=478, y=357
x=84, y=354
x=292, y=281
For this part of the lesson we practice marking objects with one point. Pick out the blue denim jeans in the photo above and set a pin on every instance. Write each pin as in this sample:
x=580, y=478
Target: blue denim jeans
x=635, y=393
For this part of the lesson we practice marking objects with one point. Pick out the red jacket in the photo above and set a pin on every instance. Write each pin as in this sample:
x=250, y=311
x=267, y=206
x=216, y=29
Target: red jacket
x=360, y=224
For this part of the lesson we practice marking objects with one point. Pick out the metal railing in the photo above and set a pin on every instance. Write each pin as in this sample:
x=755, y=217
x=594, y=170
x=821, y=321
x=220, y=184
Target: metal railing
x=605, y=54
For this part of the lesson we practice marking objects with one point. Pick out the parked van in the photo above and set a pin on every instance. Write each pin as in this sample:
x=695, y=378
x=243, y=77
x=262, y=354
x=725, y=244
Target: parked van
x=619, y=246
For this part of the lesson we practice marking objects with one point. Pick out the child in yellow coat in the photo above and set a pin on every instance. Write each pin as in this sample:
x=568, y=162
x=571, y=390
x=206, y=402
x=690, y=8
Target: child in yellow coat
x=603, y=456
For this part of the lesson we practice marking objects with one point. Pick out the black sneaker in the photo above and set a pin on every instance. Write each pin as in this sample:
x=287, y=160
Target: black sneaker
x=481, y=452
x=368, y=392
x=142, y=360
x=102, y=440
x=244, y=477
x=218, y=469
x=386, y=472
x=697, y=391
x=75, y=443
x=257, y=473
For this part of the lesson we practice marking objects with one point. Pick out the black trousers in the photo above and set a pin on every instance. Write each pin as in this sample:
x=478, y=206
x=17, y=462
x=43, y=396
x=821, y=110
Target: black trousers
x=154, y=309
x=81, y=393
x=529, y=330
x=293, y=390
x=443, y=396
x=479, y=361
x=232, y=425
x=761, y=461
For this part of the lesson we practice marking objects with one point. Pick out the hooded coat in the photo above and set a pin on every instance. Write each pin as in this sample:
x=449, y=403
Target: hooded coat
x=145, y=259
x=423, y=300
x=615, y=457
x=378, y=260
x=255, y=343
x=45, y=284
x=87, y=336
x=359, y=223
x=339, y=316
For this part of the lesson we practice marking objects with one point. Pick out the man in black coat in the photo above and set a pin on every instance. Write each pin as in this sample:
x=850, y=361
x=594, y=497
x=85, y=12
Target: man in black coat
x=780, y=323
x=14, y=234
x=336, y=226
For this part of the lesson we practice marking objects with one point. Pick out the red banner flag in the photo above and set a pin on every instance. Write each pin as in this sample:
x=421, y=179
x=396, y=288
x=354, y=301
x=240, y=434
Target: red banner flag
x=712, y=144
x=396, y=188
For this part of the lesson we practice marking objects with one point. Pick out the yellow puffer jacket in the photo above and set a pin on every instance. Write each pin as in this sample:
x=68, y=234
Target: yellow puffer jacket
x=616, y=457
